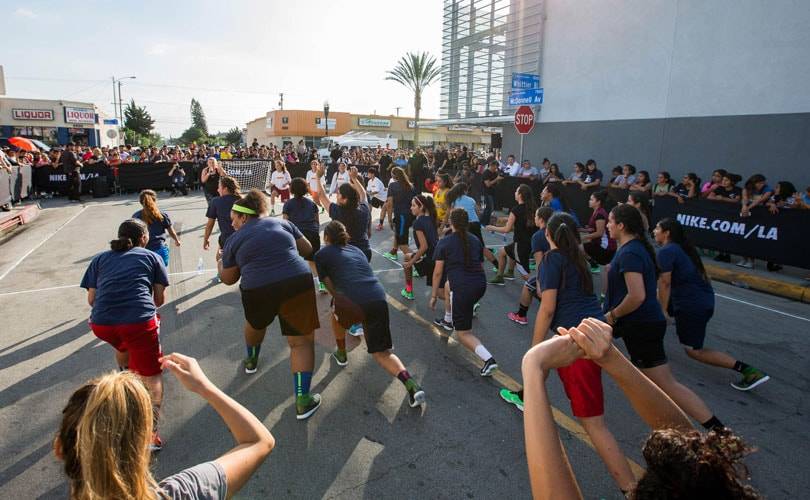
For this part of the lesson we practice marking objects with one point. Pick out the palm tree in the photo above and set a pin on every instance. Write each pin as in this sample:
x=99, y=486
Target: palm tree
x=415, y=71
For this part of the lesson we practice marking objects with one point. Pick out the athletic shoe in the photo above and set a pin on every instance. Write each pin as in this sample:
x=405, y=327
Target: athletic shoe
x=251, y=364
x=322, y=210
x=512, y=397
x=406, y=294
x=303, y=412
x=156, y=444
x=497, y=280
x=752, y=377
x=342, y=359
x=532, y=266
x=595, y=268
x=415, y=273
x=476, y=307
x=509, y=275
x=356, y=330
x=489, y=366
x=417, y=397
x=391, y=256
x=447, y=325
x=517, y=318
x=322, y=288
x=495, y=270
x=379, y=227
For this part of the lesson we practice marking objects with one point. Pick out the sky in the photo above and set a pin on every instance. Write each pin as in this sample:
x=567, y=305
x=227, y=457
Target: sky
x=234, y=57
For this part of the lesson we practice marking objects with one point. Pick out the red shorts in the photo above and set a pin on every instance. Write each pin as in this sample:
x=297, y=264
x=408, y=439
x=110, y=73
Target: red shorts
x=582, y=381
x=284, y=193
x=140, y=340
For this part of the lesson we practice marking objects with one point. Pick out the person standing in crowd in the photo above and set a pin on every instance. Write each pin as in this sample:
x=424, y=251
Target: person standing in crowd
x=125, y=286
x=312, y=182
x=400, y=194
x=727, y=192
x=210, y=178
x=460, y=258
x=265, y=254
x=785, y=196
x=457, y=198
x=358, y=297
x=340, y=178
x=632, y=308
x=713, y=183
x=219, y=211
x=377, y=193
x=71, y=167
x=158, y=223
x=596, y=241
x=685, y=293
x=104, y=443
x=490, y=179
x=440, y=189
x=592, y=176
x=756, y=192
x=519, y=250
x=425, y=235
x=279, y=184
x=539, y=248
x=303, y=212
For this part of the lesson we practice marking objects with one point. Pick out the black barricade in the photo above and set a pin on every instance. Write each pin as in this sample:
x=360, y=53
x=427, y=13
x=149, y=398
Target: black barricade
x=54, y=180
x=780, y=238
x=5, y=188
x=138, y=176
x=21, y=184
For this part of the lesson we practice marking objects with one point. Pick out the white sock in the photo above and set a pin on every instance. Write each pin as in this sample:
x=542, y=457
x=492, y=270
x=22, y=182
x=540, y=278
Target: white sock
x=317, y=281
x=448, y=316
x=482, y=352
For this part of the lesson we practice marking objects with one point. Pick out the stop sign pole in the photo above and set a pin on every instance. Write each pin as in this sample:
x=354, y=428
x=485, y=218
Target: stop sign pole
x=524, y=123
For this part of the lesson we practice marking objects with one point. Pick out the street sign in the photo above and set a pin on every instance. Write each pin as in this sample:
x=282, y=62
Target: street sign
x=523, y=81
x=528, y=97
x=524, y=120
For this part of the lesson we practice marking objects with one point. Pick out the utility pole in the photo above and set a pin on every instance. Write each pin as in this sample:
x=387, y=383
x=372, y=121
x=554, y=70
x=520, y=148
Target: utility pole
x=120, y=107
x=115, y=105
x=398, y=108
x=281, y=100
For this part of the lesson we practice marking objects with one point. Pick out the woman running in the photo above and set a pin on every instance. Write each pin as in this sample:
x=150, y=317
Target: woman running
x=460, y=258
x=358, y=297
x=125, y=287
x=304, y=214
x=567, y=298
x=685, y=293
x=279, y=185
x=632, y=308
x=312, y=182
x=103, y=440
x=265, y=253
x=539, y=248
x=159, y=224
x=400, y=194
x=521, y=222
x=420, y=262
x=219, y=211
x=457, y=198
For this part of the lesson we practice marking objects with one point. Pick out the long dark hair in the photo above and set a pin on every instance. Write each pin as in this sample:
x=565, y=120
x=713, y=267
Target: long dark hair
x=350, y=208
x=336, y=232
x=130, y=233
x=455, y=193
x=527, y=195
x=642, y=199
x=461, y=223
x=230, y=184
x=554, y=189
x=253, y=200
x=429, y=205
x=634, y=226
x=562, y=228
x=400, y=176
x=751, y=182
x=678, y=235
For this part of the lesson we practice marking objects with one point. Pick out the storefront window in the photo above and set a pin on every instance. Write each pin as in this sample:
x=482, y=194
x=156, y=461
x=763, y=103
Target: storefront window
x=48, y=135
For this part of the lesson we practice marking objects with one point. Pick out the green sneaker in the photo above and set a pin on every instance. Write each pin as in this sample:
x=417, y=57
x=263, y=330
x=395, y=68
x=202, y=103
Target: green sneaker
x=512, y=397
x=494, y=269
x=595, y=269
x=340, y=357
x=416, y=396
x=391, y=256
x=497, y=280
x=406, y=294
x=322, y=288
x=752, y=377
x=532, y=266
x=415, y=273
x=306, y=406
x=251, y=364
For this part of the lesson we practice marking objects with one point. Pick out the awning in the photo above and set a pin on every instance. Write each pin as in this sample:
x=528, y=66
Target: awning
x=481, y=121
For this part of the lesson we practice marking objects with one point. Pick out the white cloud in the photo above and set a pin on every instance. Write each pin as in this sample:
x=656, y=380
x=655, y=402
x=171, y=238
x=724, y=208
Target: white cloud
x=158, y=49
x=23, y=12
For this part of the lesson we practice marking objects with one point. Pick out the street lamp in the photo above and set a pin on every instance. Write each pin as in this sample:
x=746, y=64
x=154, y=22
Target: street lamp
x=326, y=116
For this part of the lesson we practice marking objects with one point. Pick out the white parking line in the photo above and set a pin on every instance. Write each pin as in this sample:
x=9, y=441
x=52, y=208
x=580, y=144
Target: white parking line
x=777, y=311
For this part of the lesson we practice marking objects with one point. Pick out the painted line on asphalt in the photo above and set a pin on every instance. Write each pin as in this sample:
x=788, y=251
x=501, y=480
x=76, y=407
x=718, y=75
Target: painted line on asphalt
x=563, y=420
x=777, y=311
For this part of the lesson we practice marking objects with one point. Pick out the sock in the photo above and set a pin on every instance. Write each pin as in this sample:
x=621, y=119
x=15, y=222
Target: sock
x=739, y=366
x=406, y=379
x=522, y=310
x=316, y=281
x=301, y=382
x=482, y=352
x=520, y=394
x=712, y=424
x=448, y=317
x=341, y=344
x=253, y=351
x=155, y=417
x=409, y=282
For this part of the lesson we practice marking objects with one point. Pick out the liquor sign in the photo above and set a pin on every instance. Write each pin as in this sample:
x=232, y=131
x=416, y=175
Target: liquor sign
x=80, y=115
x=374, y=122
x=32, y=114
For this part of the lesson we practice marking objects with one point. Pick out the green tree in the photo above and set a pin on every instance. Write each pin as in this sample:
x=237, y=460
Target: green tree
x=233, y=136
x=193, y=134
x=198, y=117
x=416, y=72
x=137, y=119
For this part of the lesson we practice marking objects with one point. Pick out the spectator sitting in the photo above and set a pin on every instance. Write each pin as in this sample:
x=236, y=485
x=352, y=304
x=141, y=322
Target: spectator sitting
x=545, y=169
x=577, y=175
x=728, y=191
x=614, y=174
x=593, y=176
x=756, y=192
x=663, y=184
x=627, y=177
x=527, y=171
x=550, y=197
x=511, y=167
x=642, y=183
x=713, y=183
x=554, y=174
x=687, y=189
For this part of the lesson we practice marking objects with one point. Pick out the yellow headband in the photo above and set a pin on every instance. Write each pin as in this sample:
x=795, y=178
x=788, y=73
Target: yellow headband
x=244, y=210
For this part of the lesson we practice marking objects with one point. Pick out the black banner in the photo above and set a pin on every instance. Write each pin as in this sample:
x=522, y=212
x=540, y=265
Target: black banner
x=54, y=180
x=780, y=238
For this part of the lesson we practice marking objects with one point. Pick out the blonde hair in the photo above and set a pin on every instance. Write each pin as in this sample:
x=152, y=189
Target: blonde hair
x=111, y=430
x=150, y=212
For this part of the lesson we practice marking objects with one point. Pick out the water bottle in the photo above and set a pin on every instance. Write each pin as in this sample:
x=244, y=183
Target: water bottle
x=200, y=266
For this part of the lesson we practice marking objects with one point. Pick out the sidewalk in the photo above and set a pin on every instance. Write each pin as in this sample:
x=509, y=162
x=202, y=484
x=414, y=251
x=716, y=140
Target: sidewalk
x=790, y=282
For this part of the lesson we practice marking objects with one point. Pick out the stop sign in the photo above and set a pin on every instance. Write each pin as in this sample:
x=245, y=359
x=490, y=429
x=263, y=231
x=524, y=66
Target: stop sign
x=524, y=120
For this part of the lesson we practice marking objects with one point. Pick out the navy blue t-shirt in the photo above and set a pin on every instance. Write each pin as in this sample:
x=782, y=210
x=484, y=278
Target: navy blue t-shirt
x=302, y=212
x=357, y=226
x=157, y=230
x=425, y=224
x=220, y=209
x=264, y=250
x=689, y=292
x=350, y=272
x=573, y=304
x=459, y=272
x=539, y=242
x=632, y=257
x=123, y=283
x=401, y=196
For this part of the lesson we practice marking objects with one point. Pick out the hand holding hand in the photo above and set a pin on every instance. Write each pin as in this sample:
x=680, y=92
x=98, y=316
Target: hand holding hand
x=594, y=337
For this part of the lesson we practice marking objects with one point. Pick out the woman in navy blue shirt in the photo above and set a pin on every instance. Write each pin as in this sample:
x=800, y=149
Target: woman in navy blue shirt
x=219, y=211
x=426, y=236
x=685, y=293
x=459, y=256
x=159, y=224
x=539, y=247
x=633, y=310
x=303, y=212
x=351, y=209
x=265, y=254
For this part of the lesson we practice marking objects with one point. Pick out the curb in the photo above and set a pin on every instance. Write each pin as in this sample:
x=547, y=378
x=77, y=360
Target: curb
x=18, y=217
x=772, y=286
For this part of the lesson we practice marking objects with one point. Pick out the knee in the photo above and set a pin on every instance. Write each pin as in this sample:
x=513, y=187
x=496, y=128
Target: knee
x=692, y=353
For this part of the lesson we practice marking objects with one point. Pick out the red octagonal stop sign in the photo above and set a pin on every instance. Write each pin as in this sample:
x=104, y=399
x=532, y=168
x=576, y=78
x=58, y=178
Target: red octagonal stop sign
x=524, y=120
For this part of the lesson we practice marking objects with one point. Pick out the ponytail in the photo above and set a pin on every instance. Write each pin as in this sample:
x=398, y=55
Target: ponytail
x=461, y=223
x=563, y=231
x=630, y=217
x=231, y=184
x=253, y=200
x=130, y=233
x=678, y=235
x=527, y=195
x=427, y=203
x=336, y=233
x=151, y=212
x=455, y=193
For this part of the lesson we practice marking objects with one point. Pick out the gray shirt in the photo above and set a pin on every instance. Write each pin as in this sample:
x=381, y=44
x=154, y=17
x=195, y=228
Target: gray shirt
x=204, y=481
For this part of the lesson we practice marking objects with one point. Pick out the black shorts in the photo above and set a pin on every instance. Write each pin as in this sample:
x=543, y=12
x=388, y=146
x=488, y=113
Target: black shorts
x=373, y=315
x=602, y=256
x=315, y=240
x=402, y=227
x=425, y=268
x=644, y=342
x=520, y=252
x=691, y=327
x=463, y=299
x=292, y=299
x=376, y=202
